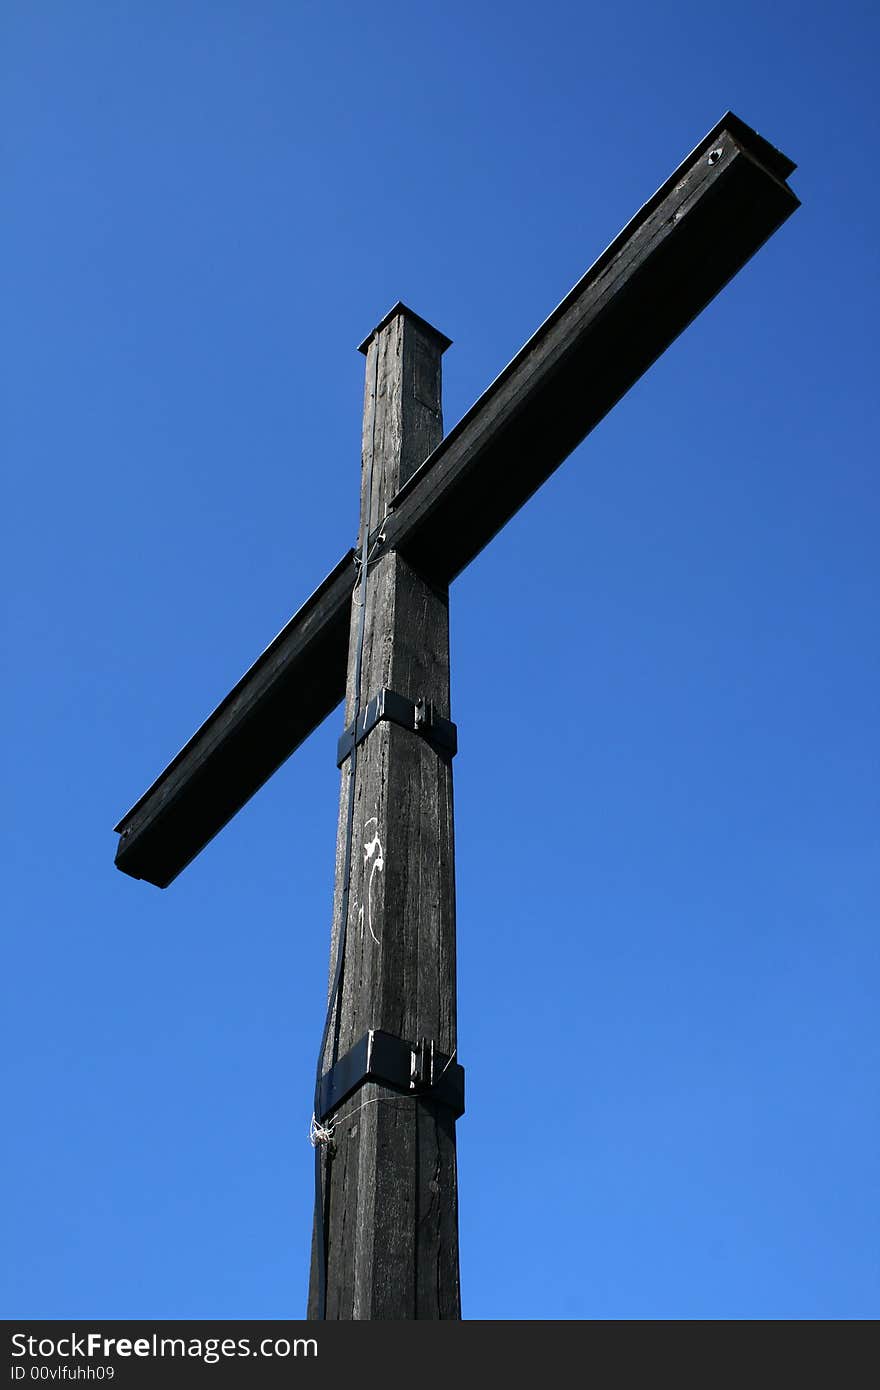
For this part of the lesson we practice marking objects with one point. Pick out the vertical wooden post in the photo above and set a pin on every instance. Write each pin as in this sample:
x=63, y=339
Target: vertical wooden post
x=389, y=1177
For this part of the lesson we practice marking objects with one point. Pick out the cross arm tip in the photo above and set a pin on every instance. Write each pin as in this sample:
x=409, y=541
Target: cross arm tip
x=772, y=158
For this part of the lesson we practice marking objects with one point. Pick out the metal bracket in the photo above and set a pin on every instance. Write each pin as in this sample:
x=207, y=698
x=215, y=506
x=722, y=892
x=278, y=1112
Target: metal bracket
x=414, y=1069
x=419, y=717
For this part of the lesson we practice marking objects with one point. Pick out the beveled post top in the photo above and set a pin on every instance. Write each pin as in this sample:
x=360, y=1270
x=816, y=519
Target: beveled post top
x=400, y=308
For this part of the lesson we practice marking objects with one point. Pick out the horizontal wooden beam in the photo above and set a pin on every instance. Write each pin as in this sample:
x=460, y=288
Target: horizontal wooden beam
x=680, y=249
x=675, y=255
x=296, y=682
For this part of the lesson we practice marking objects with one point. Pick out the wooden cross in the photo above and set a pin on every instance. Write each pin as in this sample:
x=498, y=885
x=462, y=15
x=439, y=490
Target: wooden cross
x=376, y=634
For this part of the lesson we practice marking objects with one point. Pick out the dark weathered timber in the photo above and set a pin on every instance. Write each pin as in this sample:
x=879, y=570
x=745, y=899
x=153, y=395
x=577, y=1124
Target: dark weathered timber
x=390, y=1181
x=678, y=251
x=290, y=688
x=675, y=255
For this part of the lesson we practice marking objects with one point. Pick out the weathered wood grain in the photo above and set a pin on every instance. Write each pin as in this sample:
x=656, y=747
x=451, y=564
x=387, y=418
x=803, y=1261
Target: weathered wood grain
x=296, y=682
x=390, y=1180
x=683, y=246
x=679, y=250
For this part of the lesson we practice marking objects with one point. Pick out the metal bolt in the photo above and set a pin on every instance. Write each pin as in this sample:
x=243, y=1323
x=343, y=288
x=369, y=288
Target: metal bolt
x=715, y=156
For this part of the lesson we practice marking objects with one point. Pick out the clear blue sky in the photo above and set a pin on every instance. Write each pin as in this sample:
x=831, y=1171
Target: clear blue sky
x=665, y=669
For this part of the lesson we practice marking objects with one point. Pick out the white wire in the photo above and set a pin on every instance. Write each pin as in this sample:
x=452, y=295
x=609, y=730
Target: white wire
x=323, y=1133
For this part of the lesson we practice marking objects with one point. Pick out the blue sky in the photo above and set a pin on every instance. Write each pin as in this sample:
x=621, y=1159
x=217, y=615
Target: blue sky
x=665, y=669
